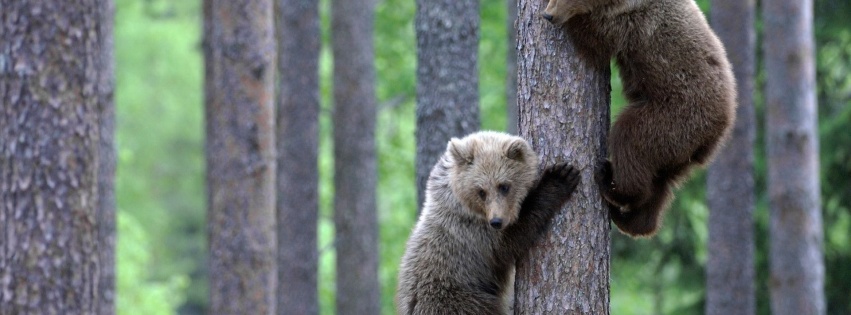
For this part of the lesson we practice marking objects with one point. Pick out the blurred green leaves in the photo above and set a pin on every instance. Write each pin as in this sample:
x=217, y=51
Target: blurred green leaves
x=136, y=293
x=160, y=172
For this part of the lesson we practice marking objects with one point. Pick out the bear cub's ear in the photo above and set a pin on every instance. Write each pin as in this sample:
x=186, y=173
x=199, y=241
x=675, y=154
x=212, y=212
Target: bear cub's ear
x=461, y=151
x=516, y=150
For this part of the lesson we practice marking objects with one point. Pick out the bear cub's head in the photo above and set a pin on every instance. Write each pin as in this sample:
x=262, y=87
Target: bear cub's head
x=491, y=174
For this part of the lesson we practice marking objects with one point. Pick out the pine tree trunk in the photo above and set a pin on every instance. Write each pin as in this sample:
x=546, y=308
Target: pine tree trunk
x=797, y=263
x=564, y=113
x=512, y=121
x=298, y=145
x=730, y=271
x=355, y=178
x=50, y=54
x=107, y=159
x=240, y=66
x=447, y=79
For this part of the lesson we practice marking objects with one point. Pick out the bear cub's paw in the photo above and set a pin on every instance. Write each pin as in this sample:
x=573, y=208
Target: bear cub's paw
x=559, y=181
x=603, y=177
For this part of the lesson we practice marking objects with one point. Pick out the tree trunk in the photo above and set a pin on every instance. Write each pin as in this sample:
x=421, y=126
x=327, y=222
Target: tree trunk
x=107, y=159
x=564, y=113
x=240, y=66
x=50, y=55
x=447, y=79
x=355, y=178
x=797, y=265
x=730, y=181
x=298, y=145
x=512, y=121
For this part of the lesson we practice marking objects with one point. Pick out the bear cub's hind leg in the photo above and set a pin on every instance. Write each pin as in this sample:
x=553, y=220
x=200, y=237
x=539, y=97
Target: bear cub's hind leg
x=644, y=219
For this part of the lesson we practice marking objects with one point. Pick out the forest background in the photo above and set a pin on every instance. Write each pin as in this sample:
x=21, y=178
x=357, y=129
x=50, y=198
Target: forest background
x=161, y=249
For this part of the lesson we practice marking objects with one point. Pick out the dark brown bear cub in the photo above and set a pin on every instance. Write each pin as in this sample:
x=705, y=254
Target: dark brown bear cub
x=483, y=211
x=681, y=94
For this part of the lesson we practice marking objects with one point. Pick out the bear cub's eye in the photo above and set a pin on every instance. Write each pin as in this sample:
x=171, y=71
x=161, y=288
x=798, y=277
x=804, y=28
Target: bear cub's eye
x=503, y=188
x=482, y=194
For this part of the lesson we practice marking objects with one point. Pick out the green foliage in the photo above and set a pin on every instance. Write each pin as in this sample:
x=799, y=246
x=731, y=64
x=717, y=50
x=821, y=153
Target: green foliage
x=137, y=294
x=160, y=171
x=397, y=208
x=327, y=255
x=395, y=61
x=833, y=67
x=493, y=50
x=666, y=272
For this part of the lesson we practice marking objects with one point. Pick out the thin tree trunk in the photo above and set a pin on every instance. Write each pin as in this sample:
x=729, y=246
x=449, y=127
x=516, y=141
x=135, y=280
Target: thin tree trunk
x=50, y=55
x=447, y=79
x=564, y=113
x=512, y=121
x=298, y=145
x=107, y=159
x=240, y=65
x=797, y=263
x=730, y=272
x=355, y=178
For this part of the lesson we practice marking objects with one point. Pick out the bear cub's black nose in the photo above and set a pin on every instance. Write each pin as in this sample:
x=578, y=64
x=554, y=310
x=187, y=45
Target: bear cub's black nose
x=547, y=17
x=496, y=223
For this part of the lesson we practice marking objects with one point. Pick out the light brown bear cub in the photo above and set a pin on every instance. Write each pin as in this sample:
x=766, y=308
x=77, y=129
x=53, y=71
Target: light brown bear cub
x=681, y=93
x=484, y=209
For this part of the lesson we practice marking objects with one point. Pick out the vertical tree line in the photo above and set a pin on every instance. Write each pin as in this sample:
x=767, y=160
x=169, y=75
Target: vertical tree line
x=57, y=153
x=796, y=236
x=355, y=178
x=447, y=79
x=730, y=190
x=568, y=270
x=297, y=138
x=106, y=159
x=239, y=50
x=242, y=161
x=50, y=74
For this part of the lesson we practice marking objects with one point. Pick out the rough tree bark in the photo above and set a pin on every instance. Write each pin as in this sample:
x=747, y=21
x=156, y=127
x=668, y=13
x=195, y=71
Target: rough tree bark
x=564, y=113
x=797, y=263
x=107, y=159
x=50, y=56
x=298, y=144
x=447, y=79
x=512, y=121
x=355, y=217
x=730, y=271
x=240, y=66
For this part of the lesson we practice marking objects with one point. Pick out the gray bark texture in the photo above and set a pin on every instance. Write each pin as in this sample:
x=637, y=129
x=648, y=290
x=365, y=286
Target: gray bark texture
x=447, y=79
x=730, y=274
x=298, y=144
x=355, y=177
x=512, y=121
x=564, y=114
x=796, y=259
x=240, y=67
x=50, y=57
x=106, y=160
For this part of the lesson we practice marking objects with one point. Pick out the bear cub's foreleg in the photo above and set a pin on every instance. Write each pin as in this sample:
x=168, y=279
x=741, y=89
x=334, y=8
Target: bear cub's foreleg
x=543, y=202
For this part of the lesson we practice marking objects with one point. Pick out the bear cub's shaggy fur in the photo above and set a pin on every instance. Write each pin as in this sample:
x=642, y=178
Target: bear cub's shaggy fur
x=681, y=94
x=483, y=211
